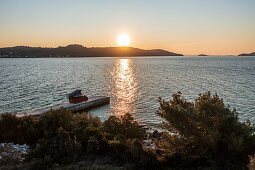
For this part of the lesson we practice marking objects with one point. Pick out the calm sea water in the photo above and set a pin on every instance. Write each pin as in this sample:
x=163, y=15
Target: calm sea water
x=134, y=84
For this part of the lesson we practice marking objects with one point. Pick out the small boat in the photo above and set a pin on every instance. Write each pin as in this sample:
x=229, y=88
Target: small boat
x=77, y=102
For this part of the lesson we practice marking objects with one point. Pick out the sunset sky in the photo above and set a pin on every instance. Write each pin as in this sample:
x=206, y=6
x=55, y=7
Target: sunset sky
x=189, y=27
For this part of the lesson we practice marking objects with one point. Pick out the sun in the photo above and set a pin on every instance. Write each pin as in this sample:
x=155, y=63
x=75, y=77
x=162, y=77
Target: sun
x=123, y=39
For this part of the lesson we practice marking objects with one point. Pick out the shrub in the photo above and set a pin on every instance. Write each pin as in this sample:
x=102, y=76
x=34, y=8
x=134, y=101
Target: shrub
x=143, y=158
x=208, y=133
x=93, y=145
x=50, y=123
x=83, y=120
x=132, y=151
x=62, y=137
x=17, y=130
x=124, y=125
x=62, y=148
x=251, y=165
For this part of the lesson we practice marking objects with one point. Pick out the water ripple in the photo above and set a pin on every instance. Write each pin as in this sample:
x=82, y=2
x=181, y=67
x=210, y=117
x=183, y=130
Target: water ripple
x=134, y=84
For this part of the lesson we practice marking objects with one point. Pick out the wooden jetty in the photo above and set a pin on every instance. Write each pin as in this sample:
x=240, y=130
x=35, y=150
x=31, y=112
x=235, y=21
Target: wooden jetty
x=90, y=103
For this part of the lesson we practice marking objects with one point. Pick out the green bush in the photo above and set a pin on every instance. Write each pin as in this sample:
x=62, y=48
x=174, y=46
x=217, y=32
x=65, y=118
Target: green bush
x=140, y=156
x=124, y=125
x=132, y=151
x=17, y=130
x=93, y=145
x=62, y=135
x=208, y=133
x=49, y=123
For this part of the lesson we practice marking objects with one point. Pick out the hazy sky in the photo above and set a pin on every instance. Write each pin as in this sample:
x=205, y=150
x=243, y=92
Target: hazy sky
x=183, y=26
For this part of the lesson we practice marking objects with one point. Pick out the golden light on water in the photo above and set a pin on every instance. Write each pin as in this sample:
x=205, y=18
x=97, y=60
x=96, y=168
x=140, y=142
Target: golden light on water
x=125, y=87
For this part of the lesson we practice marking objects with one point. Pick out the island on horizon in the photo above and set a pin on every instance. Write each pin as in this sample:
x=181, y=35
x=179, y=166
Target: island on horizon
x=247, y=54
x=202, y=55
x=76, y=50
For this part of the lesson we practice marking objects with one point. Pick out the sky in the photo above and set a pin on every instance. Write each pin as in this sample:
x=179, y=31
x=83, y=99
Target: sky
x=190, y=27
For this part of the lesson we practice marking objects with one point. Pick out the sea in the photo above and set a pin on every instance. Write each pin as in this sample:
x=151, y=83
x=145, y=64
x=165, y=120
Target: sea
x=133, y=84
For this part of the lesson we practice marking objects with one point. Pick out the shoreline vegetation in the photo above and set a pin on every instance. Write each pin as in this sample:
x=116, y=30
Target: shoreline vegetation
x=195, y=135
x=76, y=50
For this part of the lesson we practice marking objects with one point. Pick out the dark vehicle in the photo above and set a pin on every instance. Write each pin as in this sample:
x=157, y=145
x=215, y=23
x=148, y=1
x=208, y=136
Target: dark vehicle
x=77, y=97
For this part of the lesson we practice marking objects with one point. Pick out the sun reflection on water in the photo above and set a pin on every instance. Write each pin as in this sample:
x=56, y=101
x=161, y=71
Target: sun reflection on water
x=124, y=87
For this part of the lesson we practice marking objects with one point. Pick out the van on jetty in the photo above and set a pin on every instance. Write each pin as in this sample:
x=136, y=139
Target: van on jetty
x=77, y=102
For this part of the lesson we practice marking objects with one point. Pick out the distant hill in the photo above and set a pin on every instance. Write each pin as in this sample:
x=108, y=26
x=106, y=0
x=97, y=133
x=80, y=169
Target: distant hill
x=202, y=55
x=250, y=54
x=76, y=50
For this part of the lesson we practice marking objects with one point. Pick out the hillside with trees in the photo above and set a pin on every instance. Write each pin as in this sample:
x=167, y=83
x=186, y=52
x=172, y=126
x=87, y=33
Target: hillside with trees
x=80, y=51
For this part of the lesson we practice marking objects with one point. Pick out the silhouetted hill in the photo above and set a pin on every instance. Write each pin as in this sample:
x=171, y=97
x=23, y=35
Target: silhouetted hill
x=250, y=54
x=80, y=51
x=202, y=55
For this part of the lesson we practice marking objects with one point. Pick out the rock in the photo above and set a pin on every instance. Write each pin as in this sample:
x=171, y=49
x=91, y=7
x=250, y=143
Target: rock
x=156, y=134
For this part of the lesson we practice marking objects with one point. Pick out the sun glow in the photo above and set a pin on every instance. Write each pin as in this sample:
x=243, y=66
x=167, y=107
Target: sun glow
x=123, y=39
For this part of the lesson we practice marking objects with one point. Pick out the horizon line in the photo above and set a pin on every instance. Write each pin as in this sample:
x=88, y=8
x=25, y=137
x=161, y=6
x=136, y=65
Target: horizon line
x=124, y=47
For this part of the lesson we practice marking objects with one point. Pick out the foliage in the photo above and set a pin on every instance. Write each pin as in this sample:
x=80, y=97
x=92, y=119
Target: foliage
x=124, y=125
x=251, y=165
x=63, y=137
x=208, y=133
x=132, y=151
x=93, y=145
x=17, y=130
